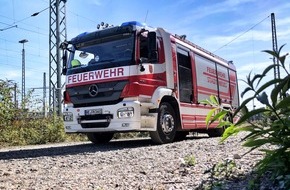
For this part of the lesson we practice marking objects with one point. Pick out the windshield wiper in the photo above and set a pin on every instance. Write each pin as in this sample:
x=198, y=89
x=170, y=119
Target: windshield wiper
x=105, y=60
x=93, y=62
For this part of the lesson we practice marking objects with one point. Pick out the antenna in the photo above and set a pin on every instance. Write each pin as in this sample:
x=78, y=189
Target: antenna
x=146, y=16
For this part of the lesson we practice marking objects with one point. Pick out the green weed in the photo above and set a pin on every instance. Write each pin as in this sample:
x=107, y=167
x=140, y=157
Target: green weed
x=273, y=126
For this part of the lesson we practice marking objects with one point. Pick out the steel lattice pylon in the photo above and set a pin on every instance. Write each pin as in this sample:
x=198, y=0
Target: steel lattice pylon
x=57, y=34
x=275, y=47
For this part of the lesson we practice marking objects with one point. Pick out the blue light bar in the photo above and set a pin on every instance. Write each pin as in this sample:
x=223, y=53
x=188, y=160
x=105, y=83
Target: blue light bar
x=135, y=23
x=82, y=34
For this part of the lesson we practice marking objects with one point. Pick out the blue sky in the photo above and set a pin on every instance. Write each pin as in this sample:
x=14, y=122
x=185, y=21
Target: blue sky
x=211, y=24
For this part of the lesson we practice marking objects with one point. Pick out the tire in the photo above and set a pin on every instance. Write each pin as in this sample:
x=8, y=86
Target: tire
x=180, y=135
x=218, y=132
x=100, y=138
x=166, y=125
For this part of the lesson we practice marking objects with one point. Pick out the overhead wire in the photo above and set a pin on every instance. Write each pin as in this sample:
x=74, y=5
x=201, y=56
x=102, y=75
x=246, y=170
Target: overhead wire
x=16, y=24
x=21, y=20
x=20, y=66
x=32, y=31
x=14, y=51
x=13, y=25
x=11, y=63
x=84, y=17
x=9, y=26
x=14, y=42
x=246, y=31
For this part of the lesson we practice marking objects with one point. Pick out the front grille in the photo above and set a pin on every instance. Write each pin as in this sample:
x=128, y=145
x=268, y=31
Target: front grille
x=108, y=93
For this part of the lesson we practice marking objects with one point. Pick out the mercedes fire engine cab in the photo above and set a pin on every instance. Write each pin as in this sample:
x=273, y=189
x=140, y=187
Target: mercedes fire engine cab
x=137, y=78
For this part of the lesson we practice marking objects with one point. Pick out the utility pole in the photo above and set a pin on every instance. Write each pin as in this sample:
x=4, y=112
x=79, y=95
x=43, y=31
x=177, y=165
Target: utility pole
x=15, y=95
x=44, y=94
x=57, y=34
x=23, y=73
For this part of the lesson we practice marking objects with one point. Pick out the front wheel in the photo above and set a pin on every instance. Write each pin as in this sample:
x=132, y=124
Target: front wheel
x=100, y=138
x=218, y=132
x=166, y=125
x=180, y=135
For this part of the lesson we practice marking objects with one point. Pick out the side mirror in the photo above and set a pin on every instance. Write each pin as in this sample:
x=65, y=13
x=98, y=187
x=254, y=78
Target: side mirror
x=64, y=62
x=64, y=47
x=152, y=46
x=141, y=61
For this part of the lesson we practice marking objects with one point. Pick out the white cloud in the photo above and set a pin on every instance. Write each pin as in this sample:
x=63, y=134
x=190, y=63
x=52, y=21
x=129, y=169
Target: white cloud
x=283, y=22
x=12, y=74
x=215, y=8
x=283, y=34
x=97, y=2
x=256, y=67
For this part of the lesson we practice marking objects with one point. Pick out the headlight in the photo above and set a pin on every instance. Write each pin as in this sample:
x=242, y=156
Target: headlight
x=67, y=116
x=125, y=112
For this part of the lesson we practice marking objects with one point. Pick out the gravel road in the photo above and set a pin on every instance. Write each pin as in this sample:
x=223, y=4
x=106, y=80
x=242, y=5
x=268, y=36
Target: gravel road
x=130, y=164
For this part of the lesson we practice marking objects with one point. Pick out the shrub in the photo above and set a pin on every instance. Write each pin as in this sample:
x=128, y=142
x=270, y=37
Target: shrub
x=21, y=126
x=274, y=126
x=32, y=131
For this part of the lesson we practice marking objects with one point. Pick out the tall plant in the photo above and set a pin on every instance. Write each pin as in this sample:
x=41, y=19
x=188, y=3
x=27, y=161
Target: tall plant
x=273, y=128
x=7, y=105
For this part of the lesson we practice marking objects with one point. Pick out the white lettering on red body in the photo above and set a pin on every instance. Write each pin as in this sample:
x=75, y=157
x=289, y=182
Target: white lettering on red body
x=106, y=73
x=95, y=75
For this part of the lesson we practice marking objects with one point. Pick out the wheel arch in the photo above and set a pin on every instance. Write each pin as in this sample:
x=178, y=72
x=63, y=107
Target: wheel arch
x=173, y=102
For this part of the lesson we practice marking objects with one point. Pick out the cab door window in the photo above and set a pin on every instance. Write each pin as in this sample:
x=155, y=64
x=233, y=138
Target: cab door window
x=143, y=48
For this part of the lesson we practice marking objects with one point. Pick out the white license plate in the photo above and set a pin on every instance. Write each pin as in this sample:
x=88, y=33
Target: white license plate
x=93, y=111
x=67, y=116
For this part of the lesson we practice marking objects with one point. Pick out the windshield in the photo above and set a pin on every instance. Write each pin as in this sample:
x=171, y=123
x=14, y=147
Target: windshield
x=103, y=54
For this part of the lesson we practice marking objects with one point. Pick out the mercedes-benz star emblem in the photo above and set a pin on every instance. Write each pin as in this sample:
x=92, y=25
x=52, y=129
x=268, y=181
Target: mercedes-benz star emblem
x=93, y=90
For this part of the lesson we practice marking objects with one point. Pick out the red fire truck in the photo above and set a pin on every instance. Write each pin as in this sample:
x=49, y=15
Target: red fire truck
x=137, y=78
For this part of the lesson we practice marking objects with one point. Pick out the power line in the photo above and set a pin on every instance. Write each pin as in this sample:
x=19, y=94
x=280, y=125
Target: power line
x=13, y=42
x=35, y=55
x=76, y=14
x=21, y=20
x=28, y=30
x=13, y=59
x=19, y=66
x=242, y=34
x=16, y=26
x=9, y=27
x=10, y=63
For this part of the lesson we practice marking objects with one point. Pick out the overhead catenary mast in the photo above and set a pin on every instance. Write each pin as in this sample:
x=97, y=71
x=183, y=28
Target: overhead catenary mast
x=57, y=34
x=275, y=47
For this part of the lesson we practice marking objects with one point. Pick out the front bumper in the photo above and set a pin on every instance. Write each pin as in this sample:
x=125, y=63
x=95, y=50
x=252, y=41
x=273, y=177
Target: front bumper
x=107, y=118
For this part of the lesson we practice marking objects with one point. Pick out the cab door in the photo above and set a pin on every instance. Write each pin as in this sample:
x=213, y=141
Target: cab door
x=184, y=75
